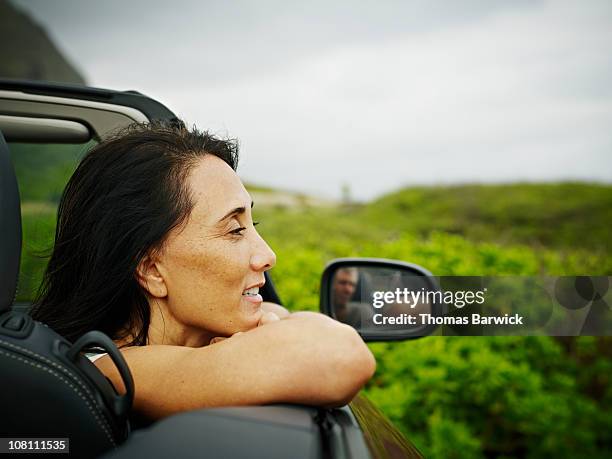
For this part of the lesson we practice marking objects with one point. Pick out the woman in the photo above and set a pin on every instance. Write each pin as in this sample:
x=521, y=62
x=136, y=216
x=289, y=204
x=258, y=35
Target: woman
x=155, y=246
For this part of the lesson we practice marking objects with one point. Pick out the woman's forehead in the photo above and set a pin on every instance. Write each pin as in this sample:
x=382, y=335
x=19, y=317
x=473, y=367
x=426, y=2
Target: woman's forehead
x=216, y=189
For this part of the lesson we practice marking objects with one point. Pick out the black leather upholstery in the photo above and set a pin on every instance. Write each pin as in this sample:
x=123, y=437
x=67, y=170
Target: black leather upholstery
x=47, y=388
x=10, y=229
x=44, y=394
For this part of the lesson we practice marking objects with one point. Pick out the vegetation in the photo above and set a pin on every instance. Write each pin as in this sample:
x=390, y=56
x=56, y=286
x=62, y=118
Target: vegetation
x=463, y=397
x=479, y=396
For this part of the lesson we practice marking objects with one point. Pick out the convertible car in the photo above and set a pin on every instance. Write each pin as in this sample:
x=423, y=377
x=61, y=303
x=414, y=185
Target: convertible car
x=55, y=400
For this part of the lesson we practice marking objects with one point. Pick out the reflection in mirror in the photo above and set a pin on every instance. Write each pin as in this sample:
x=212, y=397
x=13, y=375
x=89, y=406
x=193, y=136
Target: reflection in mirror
x=376, y=298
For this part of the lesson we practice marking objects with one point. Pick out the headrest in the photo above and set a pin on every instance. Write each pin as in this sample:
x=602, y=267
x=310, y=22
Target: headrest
x=10, y=229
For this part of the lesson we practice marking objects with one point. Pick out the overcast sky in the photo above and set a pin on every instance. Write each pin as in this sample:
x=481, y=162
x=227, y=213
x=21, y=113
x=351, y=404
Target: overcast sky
x=377, y=95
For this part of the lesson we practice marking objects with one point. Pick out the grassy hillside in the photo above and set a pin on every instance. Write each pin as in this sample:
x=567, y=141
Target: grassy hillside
x=558, y=216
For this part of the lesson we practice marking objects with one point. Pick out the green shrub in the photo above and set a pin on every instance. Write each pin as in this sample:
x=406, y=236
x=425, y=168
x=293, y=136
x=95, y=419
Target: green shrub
x=469, y=397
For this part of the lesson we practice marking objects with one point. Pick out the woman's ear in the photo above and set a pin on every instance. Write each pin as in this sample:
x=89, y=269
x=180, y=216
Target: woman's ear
x=150, y=278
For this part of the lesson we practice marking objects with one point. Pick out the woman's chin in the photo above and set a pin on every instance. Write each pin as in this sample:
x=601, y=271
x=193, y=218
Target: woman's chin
x=251, y=311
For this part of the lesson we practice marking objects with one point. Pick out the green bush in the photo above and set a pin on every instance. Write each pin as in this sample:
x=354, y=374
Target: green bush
x=470, y=397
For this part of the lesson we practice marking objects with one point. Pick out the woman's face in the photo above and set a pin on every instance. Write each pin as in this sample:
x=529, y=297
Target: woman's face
x=214, y=264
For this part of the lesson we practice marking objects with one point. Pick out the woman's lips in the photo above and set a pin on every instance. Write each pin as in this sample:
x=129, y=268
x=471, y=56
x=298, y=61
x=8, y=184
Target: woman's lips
x=253, y=298
x=252, y=295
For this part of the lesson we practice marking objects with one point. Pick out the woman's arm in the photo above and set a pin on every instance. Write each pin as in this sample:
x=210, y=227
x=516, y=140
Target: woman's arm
x=307, y=358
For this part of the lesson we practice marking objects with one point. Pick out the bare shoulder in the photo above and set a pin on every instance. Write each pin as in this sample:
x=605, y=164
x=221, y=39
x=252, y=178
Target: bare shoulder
x=145, y=361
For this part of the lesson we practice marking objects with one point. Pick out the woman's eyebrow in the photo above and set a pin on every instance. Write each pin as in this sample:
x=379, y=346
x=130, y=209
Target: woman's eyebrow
x=235, y=211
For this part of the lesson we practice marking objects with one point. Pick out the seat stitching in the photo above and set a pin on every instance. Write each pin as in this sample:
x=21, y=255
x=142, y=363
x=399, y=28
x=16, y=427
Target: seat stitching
x=50, y=362
x=96, y=416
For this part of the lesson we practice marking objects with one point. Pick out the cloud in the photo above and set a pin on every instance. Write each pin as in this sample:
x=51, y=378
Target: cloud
x=381, y=97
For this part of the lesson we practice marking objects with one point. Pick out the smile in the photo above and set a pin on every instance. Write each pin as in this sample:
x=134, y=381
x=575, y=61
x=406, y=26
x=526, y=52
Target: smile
x=253, y=291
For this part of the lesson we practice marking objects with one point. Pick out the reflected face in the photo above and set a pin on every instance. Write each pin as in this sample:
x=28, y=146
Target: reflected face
x=214, y=264
x=345, y=282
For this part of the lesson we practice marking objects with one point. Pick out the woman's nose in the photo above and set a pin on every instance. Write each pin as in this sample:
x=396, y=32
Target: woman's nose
x=263, y=257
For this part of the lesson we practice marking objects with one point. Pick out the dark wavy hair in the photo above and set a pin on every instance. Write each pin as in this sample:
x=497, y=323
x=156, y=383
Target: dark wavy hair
x=126, y=195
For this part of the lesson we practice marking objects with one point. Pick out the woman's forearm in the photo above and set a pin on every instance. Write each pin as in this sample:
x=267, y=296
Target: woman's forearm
x=308, y=359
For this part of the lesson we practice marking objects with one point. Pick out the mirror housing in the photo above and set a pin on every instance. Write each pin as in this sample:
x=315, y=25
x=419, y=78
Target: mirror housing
x=373, y=296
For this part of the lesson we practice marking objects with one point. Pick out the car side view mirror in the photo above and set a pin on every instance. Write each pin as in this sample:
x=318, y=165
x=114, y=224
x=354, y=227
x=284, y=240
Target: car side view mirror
x=384, y=300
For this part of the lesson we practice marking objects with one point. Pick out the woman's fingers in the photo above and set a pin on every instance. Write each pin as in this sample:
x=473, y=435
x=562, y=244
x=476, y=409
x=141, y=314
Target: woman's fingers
x=268, y=317
x=218, y=339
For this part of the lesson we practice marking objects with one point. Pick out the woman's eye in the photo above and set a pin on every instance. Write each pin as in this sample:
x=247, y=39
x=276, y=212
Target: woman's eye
x=239, y=230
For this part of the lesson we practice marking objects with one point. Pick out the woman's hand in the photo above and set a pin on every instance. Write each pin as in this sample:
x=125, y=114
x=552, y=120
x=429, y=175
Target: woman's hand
x=266, y=318
x=277, y=309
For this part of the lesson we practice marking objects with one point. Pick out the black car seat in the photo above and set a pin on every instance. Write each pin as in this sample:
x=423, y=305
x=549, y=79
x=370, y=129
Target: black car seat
x=48, y=389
